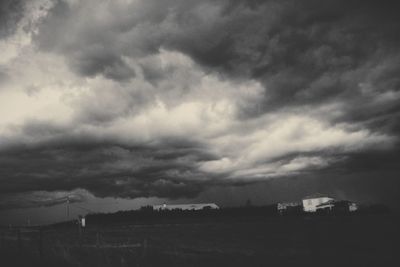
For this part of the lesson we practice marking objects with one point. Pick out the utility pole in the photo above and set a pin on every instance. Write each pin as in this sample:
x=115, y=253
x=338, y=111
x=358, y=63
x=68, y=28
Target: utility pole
x=67, y=207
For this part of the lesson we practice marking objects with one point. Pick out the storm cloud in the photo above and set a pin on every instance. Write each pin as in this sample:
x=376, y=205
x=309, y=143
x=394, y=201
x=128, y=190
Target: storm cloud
x=10, y=14
x=170, y=98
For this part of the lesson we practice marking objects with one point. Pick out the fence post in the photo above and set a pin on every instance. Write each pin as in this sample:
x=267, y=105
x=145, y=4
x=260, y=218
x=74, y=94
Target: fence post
x=41, y=244
x=97, y=239
x=144, y=252
x=19, y=240
x=79, y=233
x=2, y=244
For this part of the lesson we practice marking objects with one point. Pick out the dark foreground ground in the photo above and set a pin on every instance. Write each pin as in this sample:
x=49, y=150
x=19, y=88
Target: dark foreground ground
x=368, y=240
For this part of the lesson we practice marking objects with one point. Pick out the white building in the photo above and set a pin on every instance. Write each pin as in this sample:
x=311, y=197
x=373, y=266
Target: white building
x=200, y=206
x=310, y=203
x=353, y=207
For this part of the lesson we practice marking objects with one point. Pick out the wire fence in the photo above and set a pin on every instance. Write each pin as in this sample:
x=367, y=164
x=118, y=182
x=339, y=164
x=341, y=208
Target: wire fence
x=45, y=247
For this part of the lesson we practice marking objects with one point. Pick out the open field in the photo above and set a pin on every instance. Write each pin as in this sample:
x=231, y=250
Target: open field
x=276, y=241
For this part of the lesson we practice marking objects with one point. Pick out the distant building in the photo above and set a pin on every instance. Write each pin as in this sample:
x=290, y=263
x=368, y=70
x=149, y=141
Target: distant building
x=81, y=221
x=328, y=205
x=311, y=203
x=287, y=207
x=338, y=206
x=201, y=206
x=353, y=207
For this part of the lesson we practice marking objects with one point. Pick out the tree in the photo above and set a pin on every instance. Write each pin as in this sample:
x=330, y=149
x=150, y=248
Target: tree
x=248, y=203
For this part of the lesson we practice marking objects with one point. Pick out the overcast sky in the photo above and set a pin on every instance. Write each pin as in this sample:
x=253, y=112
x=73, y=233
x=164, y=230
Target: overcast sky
x=187, y=100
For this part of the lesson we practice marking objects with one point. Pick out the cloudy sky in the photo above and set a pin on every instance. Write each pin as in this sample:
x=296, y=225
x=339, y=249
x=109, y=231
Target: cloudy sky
x=132, y=102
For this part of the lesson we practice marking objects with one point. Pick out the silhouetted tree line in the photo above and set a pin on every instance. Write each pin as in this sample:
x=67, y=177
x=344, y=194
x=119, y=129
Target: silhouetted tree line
x=146, y=214
x=374, y=209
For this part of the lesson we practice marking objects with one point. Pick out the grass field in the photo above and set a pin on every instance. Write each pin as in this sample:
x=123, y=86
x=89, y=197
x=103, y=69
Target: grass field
x=276, y=241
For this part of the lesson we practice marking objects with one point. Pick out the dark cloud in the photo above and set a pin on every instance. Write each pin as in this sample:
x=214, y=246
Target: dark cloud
x=93, y=57
x=104, y=167
x=11, y=11
x=308, y=53
x=166, y=168
x=95, y=61
x=40, y=199
x=3, y=77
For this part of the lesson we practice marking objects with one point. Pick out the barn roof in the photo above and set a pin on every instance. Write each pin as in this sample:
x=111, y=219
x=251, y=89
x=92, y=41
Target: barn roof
x=316, y=195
